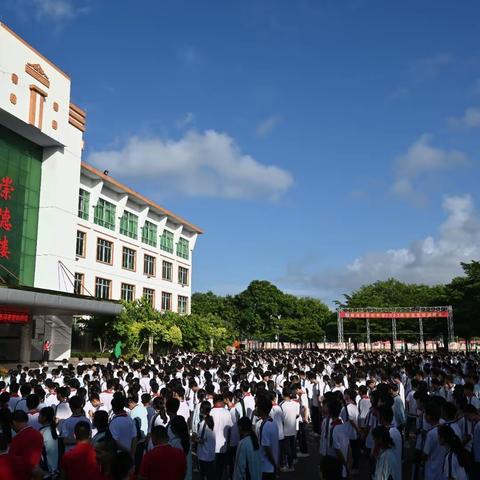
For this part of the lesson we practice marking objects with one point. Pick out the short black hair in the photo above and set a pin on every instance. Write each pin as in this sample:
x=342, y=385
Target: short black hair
x=19, y=416
x=82, y=431
x=159, y=433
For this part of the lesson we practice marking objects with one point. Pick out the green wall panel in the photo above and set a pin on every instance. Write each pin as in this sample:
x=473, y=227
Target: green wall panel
x=20, y=160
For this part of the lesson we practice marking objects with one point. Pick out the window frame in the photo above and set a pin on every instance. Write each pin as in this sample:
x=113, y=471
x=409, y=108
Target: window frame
x=163, y=270
x=170, y=237
x=153, y=234
x=145, y=255
x=109, y=288
x=134, y=269
x=112, y=249
x=123, y=284
x=152, y=290
x=84, y=252
x=82, y=283
x=184, y=297
x=102, y=222
x=127, y=220
x=180, y=267
x=83, y=213
x=169, y=296
x=183, y=248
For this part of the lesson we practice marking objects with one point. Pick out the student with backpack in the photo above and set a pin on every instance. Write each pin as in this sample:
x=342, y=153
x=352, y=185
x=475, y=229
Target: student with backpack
x=386, y=466
x=454, y=462
x=122, y=428
x=205, y=441
x=248, y=462
x=50, y=453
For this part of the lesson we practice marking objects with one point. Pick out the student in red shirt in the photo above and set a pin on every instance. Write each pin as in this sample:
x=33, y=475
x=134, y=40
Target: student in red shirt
x=80, y=462
x=163, y=462
x=6, y=464
x=26, y=447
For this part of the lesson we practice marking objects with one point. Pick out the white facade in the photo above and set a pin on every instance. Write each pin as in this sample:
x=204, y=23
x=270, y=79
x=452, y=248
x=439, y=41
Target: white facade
x=35, y=104
x=90, y=264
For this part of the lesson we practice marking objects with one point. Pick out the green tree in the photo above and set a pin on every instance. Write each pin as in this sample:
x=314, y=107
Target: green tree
x=464, y=295
x=259, y=307
x=391, y=294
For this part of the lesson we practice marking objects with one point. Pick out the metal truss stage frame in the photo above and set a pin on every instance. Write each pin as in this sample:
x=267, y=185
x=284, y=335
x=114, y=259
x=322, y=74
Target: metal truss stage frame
x=394, y=314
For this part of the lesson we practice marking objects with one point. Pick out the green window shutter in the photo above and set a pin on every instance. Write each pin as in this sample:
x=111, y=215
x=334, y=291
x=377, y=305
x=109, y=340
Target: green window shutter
x=166, y=241
x=183, y=248
x=129, y=225
x=149, y=234
x=83, y=204
x=104, y=214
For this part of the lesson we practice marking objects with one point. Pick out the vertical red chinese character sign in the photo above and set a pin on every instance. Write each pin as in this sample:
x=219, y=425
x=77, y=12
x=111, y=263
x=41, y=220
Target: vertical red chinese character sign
x=6, y=190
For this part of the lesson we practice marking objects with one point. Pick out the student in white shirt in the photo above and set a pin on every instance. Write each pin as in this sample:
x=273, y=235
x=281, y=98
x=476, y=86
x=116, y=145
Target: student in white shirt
x=334, y=441
x=183, y=409
x=139, y=414
x=304, y=420
x=349, y=415
x=386, y=420
x=222, y=424
x=386, y=466
x=267, y=433
x=122, y=427
x=67, y=428
x=205, y=441
x=50, y=441
x=364, y=404
x=33, y=402
x=453, y=467
x=62, y=408
x=107, y=395
x=433, y=452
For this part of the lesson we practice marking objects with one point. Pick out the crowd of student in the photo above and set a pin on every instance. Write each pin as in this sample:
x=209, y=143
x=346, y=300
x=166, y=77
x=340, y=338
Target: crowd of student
x=244, y=416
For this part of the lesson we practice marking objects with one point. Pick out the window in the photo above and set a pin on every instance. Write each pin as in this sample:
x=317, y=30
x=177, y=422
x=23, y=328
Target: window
x=127, y=292
x=102, y=288
x=166, y=241
x=167, y=269
x=83, y=204
x=81, y=243
x=149, y=294
x=182, y=304
x=149, y=265
x=166, y=301
x=182, y=248
x=104, y=251
x=129, y=225
x=78, y=284
x=104, y=214
x=128, y=258
x=183, y=276
x=37, y=102
x=149, y=234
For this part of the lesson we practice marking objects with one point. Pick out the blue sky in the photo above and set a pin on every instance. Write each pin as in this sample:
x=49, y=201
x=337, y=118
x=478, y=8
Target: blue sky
x=320, y=144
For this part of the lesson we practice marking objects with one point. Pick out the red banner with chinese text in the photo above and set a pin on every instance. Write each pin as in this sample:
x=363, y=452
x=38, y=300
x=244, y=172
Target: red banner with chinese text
x=415, y=314
x=13, y=315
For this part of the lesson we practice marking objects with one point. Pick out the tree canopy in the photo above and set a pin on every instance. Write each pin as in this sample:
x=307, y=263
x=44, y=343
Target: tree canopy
x=263, y=312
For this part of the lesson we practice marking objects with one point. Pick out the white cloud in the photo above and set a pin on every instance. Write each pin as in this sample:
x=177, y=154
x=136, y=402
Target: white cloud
x=186, y=120
x=431, y=260
x=53, y=10
x=470, y=119
x=428, y=67
x=208, y=164
x=421, y=159
x=266, y=126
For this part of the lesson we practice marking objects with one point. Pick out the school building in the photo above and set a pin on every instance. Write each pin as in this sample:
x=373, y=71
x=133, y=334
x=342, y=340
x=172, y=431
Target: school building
x=73, y=240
